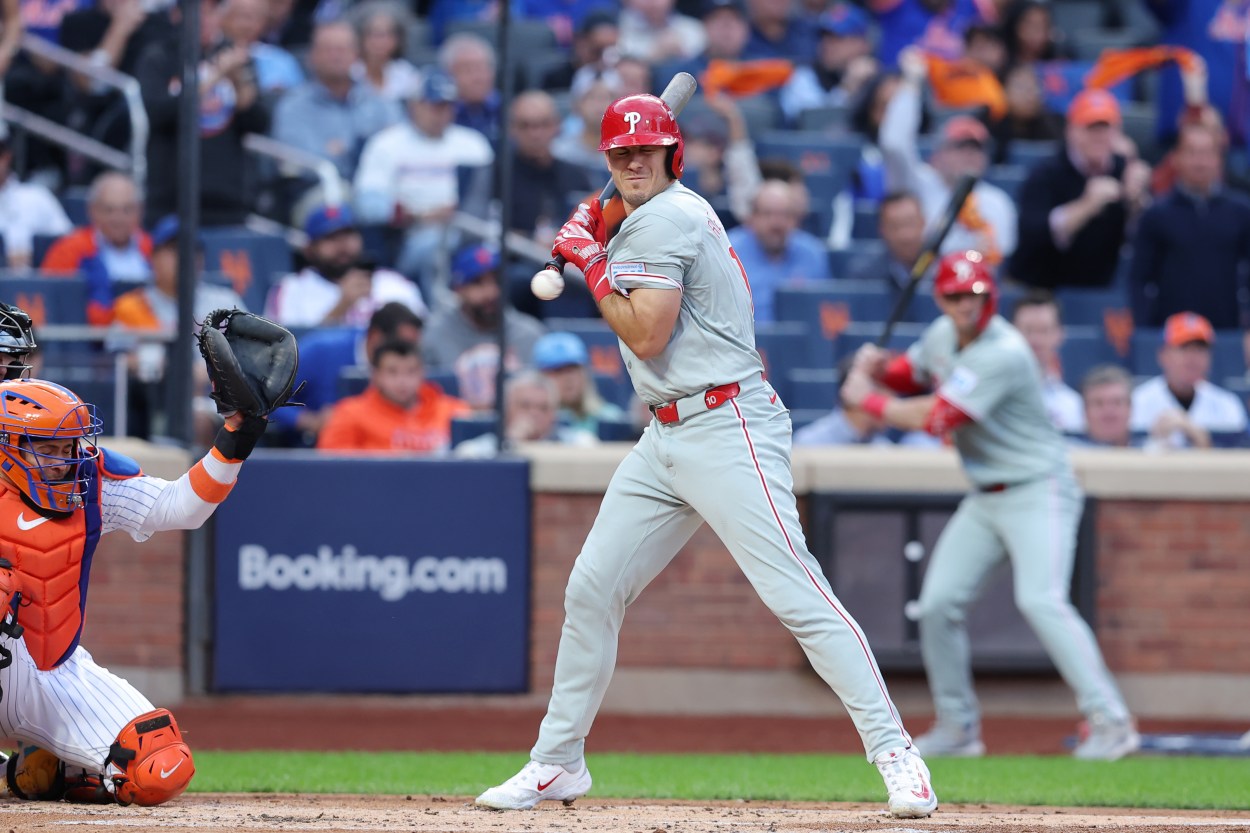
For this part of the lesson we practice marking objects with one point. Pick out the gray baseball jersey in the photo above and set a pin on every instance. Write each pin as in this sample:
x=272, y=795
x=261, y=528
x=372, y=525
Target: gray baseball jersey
x=676, y=241
x=996, y=381
x=1030, y=517
x=727, y=465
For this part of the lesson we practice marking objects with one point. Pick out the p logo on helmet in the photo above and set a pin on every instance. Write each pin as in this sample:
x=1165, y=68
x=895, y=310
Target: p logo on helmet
x=637, y=120
x=966, y=273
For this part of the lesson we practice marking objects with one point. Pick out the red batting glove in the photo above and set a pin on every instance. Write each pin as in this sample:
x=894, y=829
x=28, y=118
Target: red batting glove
x=582, y=241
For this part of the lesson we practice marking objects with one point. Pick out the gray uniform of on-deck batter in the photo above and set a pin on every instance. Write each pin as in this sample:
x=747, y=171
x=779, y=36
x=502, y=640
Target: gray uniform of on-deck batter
x=729, y=466
x=1033, y=521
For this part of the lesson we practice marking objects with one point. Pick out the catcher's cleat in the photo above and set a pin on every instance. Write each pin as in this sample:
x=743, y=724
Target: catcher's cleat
x=537, y=782
x=35, y=774
x=907, y=782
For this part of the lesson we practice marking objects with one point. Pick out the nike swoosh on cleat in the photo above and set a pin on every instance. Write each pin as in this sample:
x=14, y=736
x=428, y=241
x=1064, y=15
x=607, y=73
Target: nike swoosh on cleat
x=542, y=786
x=165, y=774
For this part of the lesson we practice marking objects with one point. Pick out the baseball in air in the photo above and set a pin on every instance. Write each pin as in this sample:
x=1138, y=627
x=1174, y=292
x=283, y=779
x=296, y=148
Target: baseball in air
x=547, y=284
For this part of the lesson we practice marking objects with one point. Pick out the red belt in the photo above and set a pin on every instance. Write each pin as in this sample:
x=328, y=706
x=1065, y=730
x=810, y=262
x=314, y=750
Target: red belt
x=995, y=487
x=713, y=398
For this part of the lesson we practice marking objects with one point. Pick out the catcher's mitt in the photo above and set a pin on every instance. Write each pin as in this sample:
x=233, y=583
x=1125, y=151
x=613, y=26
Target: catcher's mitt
x=251, y=362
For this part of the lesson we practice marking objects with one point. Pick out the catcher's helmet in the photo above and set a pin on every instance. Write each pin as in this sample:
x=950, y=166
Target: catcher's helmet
x=33, y=413
x=643, y=120
x=966, y=273
x=17, y=341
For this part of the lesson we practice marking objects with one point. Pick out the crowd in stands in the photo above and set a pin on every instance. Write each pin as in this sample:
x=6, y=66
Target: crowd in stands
x=1108, y=138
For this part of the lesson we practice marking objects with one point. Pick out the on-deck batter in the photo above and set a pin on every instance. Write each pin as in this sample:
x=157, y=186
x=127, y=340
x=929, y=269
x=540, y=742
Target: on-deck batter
x=1025, y=505
x=717, y=450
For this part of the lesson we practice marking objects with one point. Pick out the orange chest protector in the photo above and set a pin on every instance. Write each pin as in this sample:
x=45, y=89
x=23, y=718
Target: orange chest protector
x=51, y=558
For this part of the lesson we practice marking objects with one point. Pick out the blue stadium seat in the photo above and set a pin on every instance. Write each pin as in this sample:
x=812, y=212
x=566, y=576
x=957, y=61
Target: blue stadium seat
x=617, y=431
x=814, y=390
x=828, y=307
x=1029, y=153
x=352, y=382
x=1007, y=177
x=813, y=153
x=467, y=428
x=1090, y=306
x=39, y=245
x=253, y=261
x=446, y=380
x=783, y=347
x=49, y=300
x=858, y=256
x=74, y=201
x=865, y=223
x=1083, y=349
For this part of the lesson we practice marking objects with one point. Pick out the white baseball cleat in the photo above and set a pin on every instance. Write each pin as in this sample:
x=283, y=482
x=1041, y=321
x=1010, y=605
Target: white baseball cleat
x=907, y=781
x=1110, y=739
x=534, y=783
x=946, y=740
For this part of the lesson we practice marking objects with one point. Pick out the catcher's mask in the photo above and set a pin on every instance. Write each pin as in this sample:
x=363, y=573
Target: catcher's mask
x=17, y=341
x=46, y=435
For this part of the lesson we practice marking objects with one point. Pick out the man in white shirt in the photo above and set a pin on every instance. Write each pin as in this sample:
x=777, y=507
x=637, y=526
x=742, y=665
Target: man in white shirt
x=1036, y=316
x=26, y=210
x=409, y=174
x=988, y=221
x=335, y=289
x=1180, y=403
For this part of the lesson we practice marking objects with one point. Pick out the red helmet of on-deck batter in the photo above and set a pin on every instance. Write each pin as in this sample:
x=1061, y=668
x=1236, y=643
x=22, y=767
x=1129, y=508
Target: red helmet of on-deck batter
x=642, y=120
x=966, y=273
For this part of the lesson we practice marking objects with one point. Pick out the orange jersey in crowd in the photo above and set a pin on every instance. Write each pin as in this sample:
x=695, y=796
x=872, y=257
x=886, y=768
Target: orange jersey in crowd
x=370, y=422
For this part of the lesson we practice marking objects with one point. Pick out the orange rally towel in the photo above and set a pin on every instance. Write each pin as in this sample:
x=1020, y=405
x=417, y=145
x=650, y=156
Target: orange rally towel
x=744, y=78
x=1115, y=65
x=966, y=83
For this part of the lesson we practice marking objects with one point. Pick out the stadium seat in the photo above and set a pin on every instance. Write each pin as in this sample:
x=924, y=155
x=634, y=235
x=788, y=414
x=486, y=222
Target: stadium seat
x=446, y=380
x=1029, y=153
x=1083, y=349
x=1090, y=306
x=253, y=261
x=829, y=119
x=39, y=246
x=856, y=335
x=865, y=223
x=74, y=201
x=855, y=258
x=48, y=300
x=812, y=153
x=617, y=431
x=826, y=308
x=783, y=347
x=1007, y=177
x=1072, y=16
x=527, y=37
x=468, y=428
x=352, y=381
x=811, y=390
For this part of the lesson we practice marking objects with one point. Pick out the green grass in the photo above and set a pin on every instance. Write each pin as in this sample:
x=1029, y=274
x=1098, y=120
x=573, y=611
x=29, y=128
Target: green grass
x=1180, y=783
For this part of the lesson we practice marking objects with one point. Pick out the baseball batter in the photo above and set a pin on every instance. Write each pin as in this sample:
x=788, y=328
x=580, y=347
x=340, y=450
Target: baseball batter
x=1025, y=505
x=717, y=450
x=85, y=734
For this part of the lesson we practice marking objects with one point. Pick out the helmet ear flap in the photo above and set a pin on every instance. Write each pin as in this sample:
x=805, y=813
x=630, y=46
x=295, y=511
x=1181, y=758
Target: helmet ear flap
x=676, y=159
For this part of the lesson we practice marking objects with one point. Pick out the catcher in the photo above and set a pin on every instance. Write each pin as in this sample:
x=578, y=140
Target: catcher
x=86, y=735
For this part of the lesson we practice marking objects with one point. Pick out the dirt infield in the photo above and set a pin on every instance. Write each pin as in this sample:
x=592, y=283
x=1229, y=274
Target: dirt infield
x=438, y=814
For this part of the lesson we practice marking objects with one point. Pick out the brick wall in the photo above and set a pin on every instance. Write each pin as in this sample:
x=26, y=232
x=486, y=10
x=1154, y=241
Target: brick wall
x=1174, y=581
x=1174, y=578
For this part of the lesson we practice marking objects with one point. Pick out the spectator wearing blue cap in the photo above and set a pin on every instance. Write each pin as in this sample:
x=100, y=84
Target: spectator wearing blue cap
x=562, y=357
x=464, y=337
x=410, y=175
x=336, y=289
x=332, y=114
x=843, y=64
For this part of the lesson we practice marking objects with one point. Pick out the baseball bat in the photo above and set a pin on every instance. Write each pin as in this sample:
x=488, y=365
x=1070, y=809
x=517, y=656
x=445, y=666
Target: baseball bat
x=676, y=95
x=959, y=195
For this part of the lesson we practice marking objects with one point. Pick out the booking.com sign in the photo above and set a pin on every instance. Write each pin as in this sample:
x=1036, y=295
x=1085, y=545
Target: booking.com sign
x=349, y=590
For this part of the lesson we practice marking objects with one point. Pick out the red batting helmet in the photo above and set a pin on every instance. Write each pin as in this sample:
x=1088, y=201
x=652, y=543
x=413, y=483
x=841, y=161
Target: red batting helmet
x=966, y=273
x=642, y=120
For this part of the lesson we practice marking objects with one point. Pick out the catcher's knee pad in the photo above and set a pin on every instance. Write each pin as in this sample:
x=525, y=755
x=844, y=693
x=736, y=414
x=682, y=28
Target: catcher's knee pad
x=153, y=763
x=35, y=774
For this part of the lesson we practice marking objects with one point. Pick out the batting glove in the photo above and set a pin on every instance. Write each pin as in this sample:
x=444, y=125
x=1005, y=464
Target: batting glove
x=582, y=241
